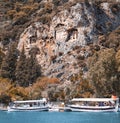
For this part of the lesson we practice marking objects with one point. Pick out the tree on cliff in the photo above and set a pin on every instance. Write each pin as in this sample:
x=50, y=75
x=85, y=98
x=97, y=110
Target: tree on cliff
x=21, y=70
x=27, y=70
x=9, y=63
x=33, y=68
x=1, y=57
x=103, y=72
x=118, y=72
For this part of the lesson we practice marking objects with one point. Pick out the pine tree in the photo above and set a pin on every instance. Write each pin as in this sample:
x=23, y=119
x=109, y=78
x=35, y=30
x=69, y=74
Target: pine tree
x=9, y=63
x=21, y=69
x=27, y=70
x=33, y=68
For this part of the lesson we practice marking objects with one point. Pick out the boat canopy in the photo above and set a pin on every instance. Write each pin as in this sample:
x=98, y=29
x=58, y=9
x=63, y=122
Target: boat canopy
x=31, y=101
x=94, y=99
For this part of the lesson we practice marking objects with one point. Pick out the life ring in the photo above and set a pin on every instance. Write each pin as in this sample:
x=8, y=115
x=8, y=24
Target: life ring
x=105, y=103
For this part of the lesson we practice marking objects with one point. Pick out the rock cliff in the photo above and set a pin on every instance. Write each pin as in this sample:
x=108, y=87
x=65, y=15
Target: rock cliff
x=63, y=42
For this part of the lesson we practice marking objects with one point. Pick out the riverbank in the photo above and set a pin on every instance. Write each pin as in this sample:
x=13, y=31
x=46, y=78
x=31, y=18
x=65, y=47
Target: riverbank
x=3, y=108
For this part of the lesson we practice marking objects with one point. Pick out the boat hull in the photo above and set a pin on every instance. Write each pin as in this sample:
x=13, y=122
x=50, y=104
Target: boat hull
x=94, y=105
x=28, y=109
x=91, y=109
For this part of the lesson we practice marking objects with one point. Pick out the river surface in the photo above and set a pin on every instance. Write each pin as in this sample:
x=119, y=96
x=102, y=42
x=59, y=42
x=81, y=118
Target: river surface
x=59, y=117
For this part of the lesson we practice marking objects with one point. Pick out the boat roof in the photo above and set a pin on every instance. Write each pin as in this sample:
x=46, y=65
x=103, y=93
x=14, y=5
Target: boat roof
x=31, y=101
x=94, y=99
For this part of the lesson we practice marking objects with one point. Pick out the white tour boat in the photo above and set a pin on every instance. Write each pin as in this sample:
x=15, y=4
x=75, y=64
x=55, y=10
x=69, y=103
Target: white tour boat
x=29, y=105
x=93, y=104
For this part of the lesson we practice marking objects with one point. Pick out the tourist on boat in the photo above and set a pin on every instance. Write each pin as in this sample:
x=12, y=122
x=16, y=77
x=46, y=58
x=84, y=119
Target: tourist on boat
x=114, y=97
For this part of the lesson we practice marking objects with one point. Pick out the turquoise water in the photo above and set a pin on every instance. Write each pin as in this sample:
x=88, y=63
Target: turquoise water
x=58, y=117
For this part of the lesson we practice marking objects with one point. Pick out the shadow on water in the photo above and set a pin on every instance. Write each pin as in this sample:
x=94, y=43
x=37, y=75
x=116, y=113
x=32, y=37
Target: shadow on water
x=58, y=117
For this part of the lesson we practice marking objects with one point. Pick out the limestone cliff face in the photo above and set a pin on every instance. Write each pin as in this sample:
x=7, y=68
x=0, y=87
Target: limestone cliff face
x=69, y=30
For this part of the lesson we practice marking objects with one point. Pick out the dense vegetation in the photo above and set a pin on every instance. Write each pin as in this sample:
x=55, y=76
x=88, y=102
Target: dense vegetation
x=19, y=69
x=103, y=69
x=21, y=76
x=104, y=73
